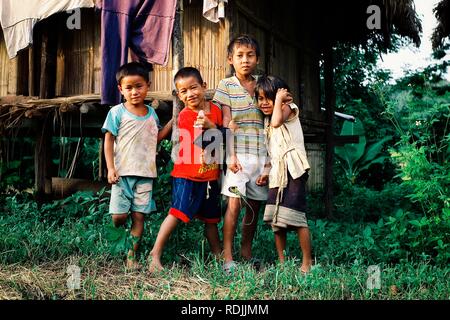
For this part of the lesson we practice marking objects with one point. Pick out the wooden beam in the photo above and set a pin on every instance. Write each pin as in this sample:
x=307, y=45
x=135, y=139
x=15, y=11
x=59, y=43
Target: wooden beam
x=42, y=160
x=177, y=62
x=47, y=86
x=330, y=101
x=31, y=70
x=338, y=140
x=48, y=61
x=63, y=187
x=155, y=95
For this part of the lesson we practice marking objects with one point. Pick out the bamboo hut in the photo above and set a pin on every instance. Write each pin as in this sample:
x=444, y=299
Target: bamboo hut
x=442, y=31
x=58, y=79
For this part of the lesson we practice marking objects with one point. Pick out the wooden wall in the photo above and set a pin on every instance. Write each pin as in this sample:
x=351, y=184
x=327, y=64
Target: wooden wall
x=288, y=49
x=282, y=52
x=79, y=58
x=205, y=45
x=13, y=73
x=316, y=158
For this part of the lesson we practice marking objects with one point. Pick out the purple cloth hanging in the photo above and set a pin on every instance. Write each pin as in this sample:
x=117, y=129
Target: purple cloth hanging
x=144, y=26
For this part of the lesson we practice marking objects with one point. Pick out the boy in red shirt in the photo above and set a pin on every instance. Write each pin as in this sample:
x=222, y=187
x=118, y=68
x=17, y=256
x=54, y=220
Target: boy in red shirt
x=195, y=190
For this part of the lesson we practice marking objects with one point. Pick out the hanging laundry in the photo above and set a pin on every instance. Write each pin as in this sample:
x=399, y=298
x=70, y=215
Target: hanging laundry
x=144, y=26
x=19, y=17
x=213, y=10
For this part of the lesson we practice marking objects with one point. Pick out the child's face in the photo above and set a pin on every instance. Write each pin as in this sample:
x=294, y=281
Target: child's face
x=191, y=91
x=134, y=89
x=264, y=103
x=244, y=59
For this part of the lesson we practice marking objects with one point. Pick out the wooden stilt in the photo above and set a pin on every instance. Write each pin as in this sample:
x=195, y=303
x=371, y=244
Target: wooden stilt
x=330, y=100
x=177, y=62
x=42, y=154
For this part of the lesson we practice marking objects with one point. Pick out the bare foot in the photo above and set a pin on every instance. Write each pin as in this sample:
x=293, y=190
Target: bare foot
x=132, y=264
x=305, y=268
x=154, y=264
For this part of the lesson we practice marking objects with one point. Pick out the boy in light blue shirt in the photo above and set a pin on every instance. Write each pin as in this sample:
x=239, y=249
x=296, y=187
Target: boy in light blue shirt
x=132, y=132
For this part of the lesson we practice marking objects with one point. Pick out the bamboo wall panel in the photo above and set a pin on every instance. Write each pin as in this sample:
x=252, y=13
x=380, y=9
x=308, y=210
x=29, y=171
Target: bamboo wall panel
x=205, y=45
x=78, y=56
x=13, y=72
x=161, y=77
x=316, y=158
x=4, y=68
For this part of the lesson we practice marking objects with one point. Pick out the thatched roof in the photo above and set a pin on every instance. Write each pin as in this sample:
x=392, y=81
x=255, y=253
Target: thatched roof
x=442, y=31
x=346, y=21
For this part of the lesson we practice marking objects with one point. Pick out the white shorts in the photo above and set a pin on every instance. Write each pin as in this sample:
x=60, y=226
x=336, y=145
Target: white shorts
x=245, y=179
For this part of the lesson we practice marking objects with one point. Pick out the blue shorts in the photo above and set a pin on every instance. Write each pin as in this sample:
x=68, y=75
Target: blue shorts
x=133, y=193
x=193, y=199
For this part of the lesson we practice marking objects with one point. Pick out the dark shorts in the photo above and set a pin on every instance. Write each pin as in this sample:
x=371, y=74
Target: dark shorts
x=193, y=199
x=294, y=195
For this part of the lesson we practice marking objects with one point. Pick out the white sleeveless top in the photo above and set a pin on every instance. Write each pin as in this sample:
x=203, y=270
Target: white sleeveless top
x=286, y=149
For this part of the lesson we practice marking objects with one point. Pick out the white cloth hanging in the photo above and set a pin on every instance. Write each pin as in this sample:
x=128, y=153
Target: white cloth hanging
x=213, y=10
x=19, y=17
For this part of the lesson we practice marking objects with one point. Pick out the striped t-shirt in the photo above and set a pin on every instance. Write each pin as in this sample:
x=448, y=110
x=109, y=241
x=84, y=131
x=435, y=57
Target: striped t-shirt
x=249, y=137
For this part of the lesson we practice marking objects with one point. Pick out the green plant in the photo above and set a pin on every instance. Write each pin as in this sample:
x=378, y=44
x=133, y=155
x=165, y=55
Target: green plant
x=421, y=117
x=355, y=157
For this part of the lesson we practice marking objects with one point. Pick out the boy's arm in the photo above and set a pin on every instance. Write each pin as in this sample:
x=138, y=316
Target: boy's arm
x=226, y=115
x=230, y=127
x=165, y=131
x=113, y=177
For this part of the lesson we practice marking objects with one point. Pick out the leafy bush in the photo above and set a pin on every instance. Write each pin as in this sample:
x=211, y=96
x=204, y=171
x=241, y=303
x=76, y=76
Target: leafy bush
x=356, y=157
x=421, y=117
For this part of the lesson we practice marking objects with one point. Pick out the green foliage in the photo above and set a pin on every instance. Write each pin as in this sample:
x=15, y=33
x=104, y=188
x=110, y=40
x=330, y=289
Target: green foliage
x=357, y=203
x=54, y=230
x=16, y=163
x=119, y=239
x=355, y=157
x=398, y=238
x=421, y=117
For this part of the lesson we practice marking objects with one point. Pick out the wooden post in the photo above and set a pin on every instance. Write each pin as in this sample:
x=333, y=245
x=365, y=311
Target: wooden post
x=48, y=61
x=177, y=63
x=42, y=154
x=31, y=91
x=101, y=159
x=330, y=100
x=42, y=160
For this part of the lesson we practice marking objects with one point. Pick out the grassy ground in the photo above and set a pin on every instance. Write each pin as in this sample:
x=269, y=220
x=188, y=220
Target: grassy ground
x=37, y=246
x=197, y=279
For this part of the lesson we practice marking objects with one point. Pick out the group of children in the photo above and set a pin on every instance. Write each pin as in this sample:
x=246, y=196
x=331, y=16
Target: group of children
x=265, y=157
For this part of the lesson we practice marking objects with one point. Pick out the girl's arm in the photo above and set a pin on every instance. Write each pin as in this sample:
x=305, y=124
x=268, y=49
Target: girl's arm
x=281, y=109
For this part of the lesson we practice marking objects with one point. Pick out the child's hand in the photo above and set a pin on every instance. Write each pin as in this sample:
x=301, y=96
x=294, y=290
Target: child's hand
x=233, y=126
x=262, y=180
x=203, y=121
x=284, y=96
x=234, y=164
x=113, y=177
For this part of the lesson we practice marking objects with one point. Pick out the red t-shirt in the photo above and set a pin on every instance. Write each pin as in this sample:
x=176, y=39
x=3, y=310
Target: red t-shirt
x=190, y=166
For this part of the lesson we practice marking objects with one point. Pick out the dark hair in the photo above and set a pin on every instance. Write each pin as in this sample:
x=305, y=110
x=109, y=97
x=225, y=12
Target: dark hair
x=243, y=40
x=270, y=85
x=132, y=69
x=187, y=72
